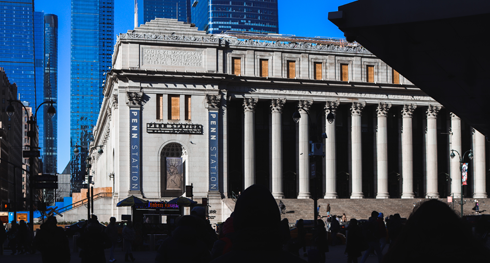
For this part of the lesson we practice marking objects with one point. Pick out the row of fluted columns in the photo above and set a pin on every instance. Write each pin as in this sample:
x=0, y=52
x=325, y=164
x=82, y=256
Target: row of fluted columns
x=356, y=151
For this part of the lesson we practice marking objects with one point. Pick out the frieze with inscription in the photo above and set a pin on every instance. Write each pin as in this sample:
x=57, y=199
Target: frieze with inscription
x=174, y=128
x=172, y=57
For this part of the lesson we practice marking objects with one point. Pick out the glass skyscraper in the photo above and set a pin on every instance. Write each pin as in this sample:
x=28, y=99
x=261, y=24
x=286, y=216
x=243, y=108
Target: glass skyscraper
x=50, y=92
x=17, y=42
x=39, y=68
x=219, y=16
x=151, y=9
x=92, y=44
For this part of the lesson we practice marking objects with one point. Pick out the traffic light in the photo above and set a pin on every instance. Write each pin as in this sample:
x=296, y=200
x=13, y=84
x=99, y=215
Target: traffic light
x=6, y=207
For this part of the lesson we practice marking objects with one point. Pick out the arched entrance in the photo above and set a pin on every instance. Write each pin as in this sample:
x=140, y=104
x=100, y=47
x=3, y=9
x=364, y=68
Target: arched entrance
x=173, y=162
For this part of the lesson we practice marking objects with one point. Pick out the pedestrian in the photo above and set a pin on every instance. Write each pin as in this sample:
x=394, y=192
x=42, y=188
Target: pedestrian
x=22, y=237
x=318, y=211
x=129, y=236
x=301, y=236
x=344, y=218
x=381, y=231
x=52, y=242
x=355, y=240
x=12, y=237
x=320, y=240
x=258, y=230
x=3, y=237
x=111, y=231
x=334, y=229
x=282, y=206
x=371, y=233
x=328, y=210
x=93, y=241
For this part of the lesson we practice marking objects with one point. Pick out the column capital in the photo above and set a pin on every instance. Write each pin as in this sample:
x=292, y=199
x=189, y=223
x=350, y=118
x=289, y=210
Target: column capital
x=454, y=116
x=383, y=109
x=432, y=111
x=213, y=101
x=331, y=106
x=135, y=99
x=304, y=105
x=249, y=104
x=277, y=105
x=356, y=108
x=408, y=110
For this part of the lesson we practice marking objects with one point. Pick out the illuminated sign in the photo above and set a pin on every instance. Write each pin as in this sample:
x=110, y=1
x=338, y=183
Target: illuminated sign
x=157, y=205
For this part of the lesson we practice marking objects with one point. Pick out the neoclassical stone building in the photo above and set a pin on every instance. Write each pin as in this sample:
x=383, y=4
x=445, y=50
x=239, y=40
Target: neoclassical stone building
x=215, y=112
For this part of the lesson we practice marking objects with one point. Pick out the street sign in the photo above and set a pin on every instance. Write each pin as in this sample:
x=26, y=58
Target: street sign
x=45, y=177
x=27, y=154
x=46, y=185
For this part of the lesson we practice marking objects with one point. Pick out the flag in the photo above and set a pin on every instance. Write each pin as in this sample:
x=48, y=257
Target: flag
x=464, y=173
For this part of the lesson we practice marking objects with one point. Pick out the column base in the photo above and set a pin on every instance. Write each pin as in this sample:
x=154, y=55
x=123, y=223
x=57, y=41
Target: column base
x=330, y=196
x=304, y=196
x=408, y=196
x=278, y=195
x=432, y=196
x=483, y=195
x=357, y=196
x=382, y=196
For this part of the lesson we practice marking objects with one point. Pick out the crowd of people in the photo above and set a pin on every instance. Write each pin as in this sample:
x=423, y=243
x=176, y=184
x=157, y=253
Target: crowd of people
x=255, y=232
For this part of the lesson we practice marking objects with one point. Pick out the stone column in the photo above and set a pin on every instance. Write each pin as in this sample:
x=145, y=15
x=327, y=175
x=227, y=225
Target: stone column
x=330, y=160
x=249, y=141
x=304, y=164
x=356, y=143
x=382, y=150
x=479, y=183
x=431, y=151
x=276, y=108
x=455, y=169
x=407, y=152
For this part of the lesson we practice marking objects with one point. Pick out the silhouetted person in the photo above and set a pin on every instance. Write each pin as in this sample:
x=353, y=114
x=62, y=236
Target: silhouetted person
x=93, y=241
x=334, y=229
x=354, y=242
x=301, y=235
x=328, y=210
x=371, y=234
x=206, y=232
x=282, y=206
x=381, y=231
x=225, y=242
x=394, y=226
x=12, y=235
x=344, y=218
x=186, y=243
x=443, y=239
x=320, y=240
x=129, y=235
x=111, y=231
x=52, y=242
x=257, y=224
x=3, y=237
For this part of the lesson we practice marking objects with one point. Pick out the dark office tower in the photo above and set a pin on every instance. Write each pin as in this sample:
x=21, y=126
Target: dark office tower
x=219, y=16
x=39, y=68
x=92, y=42
x=17, y=42
x=151, y=9
x=50, y=92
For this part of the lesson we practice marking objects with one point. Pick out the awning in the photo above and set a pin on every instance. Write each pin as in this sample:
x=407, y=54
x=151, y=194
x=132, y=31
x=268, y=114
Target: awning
x=130, y=201
x=182, y=201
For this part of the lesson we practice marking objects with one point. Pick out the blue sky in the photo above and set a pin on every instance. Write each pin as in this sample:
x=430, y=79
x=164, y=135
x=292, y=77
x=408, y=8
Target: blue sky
x=301, y=18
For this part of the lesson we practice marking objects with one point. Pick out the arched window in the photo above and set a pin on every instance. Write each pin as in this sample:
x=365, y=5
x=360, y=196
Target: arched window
x=172, y=160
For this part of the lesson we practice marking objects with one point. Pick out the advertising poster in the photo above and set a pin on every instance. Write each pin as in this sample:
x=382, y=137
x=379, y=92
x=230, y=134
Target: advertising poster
x=175, y=173
x=464, y=171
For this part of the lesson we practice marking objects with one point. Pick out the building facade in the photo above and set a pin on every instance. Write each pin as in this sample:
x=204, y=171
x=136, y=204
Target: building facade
x=148, y=10
x=215, y=17
x=92, y=40
x=185, y=108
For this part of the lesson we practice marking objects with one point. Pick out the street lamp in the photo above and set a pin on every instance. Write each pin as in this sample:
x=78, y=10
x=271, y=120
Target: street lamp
x=461, y=162
x=88, y=178
x=33, y=146
x=313, y=155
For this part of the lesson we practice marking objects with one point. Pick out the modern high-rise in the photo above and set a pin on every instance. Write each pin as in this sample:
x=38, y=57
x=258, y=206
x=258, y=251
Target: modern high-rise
x=258, y=16
x=17, y=42
x=92, y=40
x=39, y=70
x=50, y=91
x=148, y=10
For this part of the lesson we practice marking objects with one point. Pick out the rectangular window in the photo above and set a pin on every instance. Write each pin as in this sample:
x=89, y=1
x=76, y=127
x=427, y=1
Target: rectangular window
x=173, y=107
x=318, y=70
x=187, y=107
x=291, y=69
x=396, y=77
x=344, y=72
x=264, y=68
x=159, y=107
x=237, y=66
x=370, y=74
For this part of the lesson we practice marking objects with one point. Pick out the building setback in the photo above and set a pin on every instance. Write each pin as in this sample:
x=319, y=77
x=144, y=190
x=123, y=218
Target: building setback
x=92, y=40
x=182, y=107
x=256, y=16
